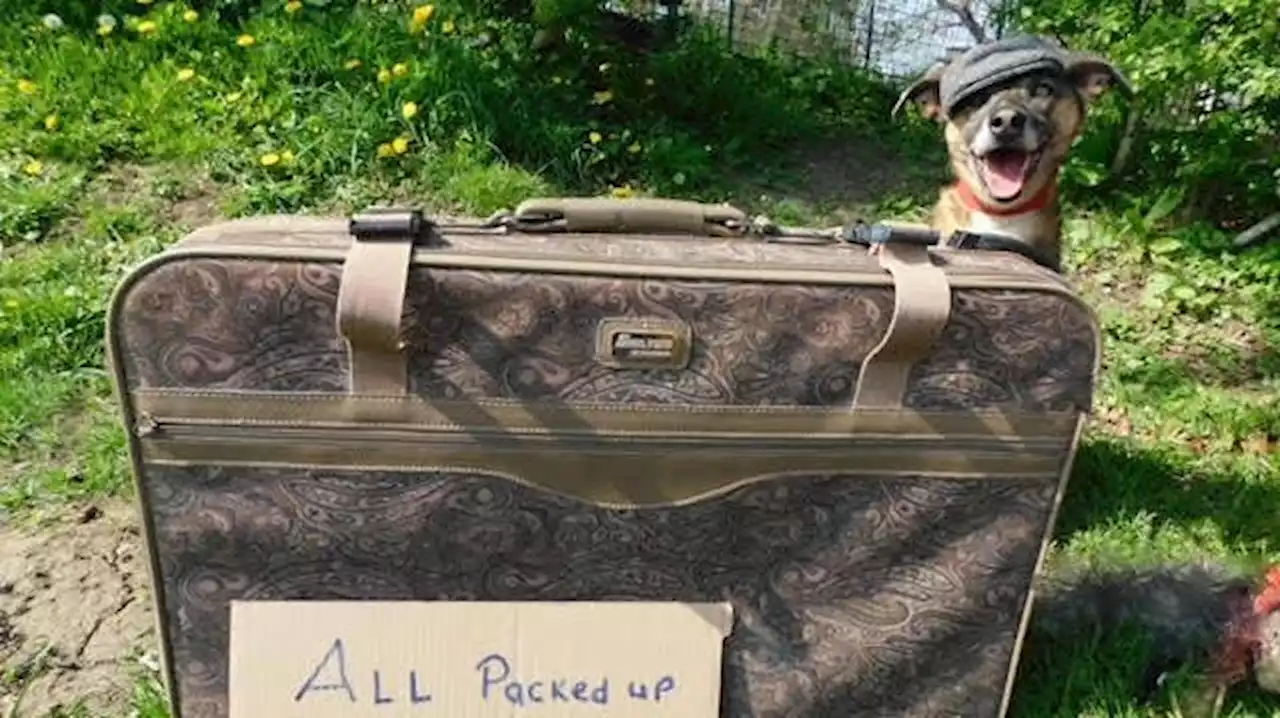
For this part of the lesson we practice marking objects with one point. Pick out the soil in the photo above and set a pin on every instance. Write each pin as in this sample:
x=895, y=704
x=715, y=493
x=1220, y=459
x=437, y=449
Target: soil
x=844, y=178
x=74, y=611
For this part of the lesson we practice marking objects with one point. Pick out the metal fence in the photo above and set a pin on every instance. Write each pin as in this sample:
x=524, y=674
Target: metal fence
x=895, y=37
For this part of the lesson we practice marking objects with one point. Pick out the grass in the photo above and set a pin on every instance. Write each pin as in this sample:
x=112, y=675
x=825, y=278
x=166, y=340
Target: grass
x=110, y=149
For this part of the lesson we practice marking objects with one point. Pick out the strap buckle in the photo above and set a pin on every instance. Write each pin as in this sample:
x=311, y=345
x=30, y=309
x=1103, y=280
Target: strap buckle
x=967, y=239
x=390, y=224
x=878, y=234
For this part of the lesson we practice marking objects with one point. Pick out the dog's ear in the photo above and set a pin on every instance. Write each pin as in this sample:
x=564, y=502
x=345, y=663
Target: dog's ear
x=925, y=92
x=1092, y=75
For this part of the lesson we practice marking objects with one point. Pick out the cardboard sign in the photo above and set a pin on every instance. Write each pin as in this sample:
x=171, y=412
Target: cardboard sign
x=397, y=659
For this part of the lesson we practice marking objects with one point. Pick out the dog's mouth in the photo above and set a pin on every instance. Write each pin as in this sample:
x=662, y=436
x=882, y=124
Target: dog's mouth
x=1005, y=171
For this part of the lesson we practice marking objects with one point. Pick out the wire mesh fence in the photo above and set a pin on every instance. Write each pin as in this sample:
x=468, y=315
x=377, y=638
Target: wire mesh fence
x=894, y=37
x=905, y=36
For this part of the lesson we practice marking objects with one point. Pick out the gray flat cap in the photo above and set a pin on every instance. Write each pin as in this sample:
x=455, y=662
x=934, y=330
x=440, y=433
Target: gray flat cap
x=985, y=66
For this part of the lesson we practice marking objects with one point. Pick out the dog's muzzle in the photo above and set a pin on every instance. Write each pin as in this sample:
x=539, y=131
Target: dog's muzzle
x=1006, y=150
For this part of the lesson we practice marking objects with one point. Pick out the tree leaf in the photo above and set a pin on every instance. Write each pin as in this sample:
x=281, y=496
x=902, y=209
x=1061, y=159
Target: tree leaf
x=1164, y=206
x=1165, y=245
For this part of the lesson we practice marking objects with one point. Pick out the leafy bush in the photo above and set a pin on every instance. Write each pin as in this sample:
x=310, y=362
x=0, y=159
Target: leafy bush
x=1209, y=96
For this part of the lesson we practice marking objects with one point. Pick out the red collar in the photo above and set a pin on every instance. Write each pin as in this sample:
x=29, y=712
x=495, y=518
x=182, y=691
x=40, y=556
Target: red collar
x=1268, y=599
x=974, y=203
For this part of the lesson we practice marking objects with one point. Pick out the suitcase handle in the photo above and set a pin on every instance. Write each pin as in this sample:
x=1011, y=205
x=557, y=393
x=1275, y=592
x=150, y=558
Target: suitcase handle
x=375, y=274
x=639, y=215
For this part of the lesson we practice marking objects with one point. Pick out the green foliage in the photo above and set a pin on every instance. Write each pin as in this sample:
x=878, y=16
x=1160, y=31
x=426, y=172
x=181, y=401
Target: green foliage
x=1179, y=53
x=30, y=206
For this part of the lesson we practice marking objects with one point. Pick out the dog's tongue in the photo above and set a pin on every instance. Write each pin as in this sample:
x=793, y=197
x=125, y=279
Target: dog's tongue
x=1005, y=172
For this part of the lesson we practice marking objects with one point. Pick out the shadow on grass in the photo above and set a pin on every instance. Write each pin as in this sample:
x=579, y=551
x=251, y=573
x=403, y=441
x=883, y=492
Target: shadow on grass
x=1132, y=503
x=1116, y=478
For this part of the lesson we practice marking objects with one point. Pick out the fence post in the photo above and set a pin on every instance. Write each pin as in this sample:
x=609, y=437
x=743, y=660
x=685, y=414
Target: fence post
x=871, y=29
x=733, y=11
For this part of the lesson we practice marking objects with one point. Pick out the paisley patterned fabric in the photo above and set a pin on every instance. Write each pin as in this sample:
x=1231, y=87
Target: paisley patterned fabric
x=895, y=595
x=270, y=326
x=852, y=596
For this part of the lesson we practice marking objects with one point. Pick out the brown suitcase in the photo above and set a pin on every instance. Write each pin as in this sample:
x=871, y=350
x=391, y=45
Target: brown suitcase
x=610, y=400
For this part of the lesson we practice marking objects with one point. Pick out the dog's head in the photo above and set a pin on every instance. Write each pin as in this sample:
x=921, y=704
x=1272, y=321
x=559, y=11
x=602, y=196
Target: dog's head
x=1011, y=110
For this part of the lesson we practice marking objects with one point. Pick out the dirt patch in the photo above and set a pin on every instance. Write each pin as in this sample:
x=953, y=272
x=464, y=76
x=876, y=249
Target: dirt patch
x=841, y=179
x=189, y=199
x=178, y=195
x=74, y=608
x=197, y=205
x=854, y=172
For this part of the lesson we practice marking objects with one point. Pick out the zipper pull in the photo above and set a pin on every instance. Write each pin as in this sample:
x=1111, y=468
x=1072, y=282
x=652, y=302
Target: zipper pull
x=146, y=426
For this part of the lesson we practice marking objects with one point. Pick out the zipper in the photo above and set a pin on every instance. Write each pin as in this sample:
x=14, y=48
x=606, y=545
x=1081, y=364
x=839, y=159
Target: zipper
x=152, y=429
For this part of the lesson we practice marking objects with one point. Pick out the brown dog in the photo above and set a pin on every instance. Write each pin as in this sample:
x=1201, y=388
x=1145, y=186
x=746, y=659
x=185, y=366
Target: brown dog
x=1011, y=110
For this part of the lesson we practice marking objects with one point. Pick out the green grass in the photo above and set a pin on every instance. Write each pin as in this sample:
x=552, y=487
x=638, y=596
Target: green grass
x=1181, y=461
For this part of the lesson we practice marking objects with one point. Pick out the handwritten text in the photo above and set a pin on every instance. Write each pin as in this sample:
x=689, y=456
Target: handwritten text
x=497, y=680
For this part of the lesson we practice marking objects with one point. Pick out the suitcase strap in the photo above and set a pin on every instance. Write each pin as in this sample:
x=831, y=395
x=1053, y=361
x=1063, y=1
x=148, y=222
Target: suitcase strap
x=375, y=276
x=376, y=269
x=921, y=308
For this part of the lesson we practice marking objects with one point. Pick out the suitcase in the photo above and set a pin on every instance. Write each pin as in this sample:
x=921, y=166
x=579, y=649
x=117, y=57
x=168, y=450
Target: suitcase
x=596, y=399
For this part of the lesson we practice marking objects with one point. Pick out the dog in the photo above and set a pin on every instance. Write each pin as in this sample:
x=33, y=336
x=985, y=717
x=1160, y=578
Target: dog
x=1010, y=110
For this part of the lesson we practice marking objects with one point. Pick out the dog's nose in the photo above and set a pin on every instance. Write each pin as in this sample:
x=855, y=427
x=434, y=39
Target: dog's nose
x=1006, y=122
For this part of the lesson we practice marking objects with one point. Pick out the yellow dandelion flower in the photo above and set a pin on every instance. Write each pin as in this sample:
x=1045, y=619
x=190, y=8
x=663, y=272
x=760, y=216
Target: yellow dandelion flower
x=595, y=138
x=246, y=41
x=185, y=74
x=148, y=27
x=400, y=69
x=623, y=192
x=33, y=168
x=52, y=122
x=603, y=97
x=191, y=16
x=27, y=87
x=447, y=27
x=270, y=159
x=352, y=64
x=106, y=24
x=410, y=110
x=422, y=14
x=400, y=145
x=293, y=6
x=286, y=157
x=385, y=150
x=634, y=148
x=384, y=76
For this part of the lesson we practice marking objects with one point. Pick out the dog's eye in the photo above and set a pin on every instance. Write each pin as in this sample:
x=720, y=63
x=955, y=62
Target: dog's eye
x=1044, y=89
